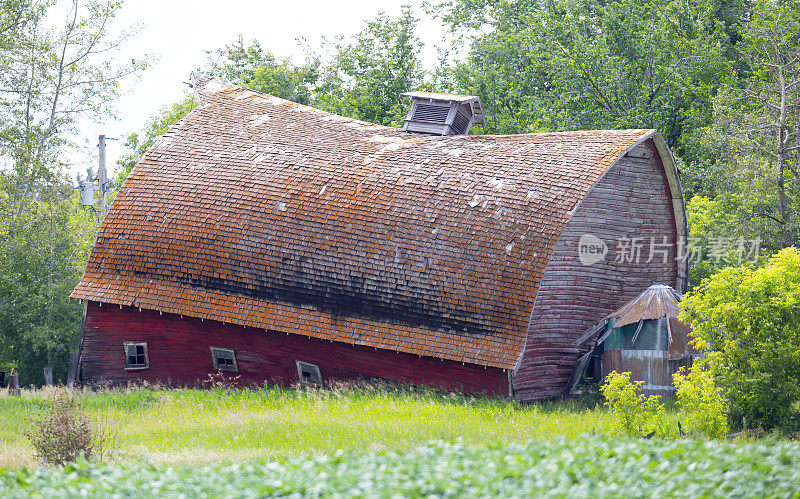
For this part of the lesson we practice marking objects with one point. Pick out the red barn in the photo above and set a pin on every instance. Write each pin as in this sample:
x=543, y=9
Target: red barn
x=284, y=243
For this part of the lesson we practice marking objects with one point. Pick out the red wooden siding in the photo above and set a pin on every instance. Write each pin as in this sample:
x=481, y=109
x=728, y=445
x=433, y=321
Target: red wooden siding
x=180, y=355
x=632, y=200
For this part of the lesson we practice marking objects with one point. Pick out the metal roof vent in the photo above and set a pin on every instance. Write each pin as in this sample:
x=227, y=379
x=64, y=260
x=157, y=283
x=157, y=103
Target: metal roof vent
x=442, y=114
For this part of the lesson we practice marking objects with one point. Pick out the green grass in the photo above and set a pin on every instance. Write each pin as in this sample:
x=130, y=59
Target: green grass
x=205, y=426
x=377, y=441
x=574, y=468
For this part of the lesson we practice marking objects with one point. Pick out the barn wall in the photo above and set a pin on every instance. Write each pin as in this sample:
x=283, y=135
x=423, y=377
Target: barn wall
x=631, y=201
x=180, y=355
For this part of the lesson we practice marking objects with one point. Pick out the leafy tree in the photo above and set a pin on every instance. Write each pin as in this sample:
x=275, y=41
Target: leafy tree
x=584, y=64
x=750, y=319
x=254, y=68
x=156, y=126
x=747, y=159
x=50, y=77
x=716, y=240
x=773, y=46
x=366, y=76
x=41, y=262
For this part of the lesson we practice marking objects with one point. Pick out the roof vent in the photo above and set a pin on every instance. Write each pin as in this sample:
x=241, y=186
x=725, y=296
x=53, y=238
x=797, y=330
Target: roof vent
x=442, y=114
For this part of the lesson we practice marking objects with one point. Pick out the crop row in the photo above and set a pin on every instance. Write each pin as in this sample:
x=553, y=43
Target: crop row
x=593, y=466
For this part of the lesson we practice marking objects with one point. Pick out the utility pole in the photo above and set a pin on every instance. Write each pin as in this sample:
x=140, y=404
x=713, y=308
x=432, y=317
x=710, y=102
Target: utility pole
x=102, y=179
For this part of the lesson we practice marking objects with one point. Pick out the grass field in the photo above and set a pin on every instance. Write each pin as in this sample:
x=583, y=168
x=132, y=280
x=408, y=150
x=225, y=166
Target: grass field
x=376, y=442
x=206, y=426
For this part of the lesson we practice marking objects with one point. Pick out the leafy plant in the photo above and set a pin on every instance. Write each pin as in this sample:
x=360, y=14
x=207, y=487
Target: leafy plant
x=368, y=72
x=587, y=64
x=751, y=318
x=702, y=405
x=585, y=467
x=635, y=414
x=64, y=433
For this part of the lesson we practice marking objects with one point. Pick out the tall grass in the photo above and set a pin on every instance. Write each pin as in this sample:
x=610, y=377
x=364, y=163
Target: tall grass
x=204, y=426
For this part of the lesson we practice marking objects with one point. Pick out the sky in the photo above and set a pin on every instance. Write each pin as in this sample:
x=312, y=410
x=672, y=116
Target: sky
x=176, y=34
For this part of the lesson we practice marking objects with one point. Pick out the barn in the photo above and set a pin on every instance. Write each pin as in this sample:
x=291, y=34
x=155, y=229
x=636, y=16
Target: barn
x=281, y=243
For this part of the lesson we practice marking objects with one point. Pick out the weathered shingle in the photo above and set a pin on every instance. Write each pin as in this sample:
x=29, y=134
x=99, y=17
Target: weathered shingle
x=257, y=211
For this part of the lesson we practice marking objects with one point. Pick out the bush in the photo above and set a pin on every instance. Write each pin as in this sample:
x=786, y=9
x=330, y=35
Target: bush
x=702, y=404
x=635, y=414
x=64, y=433
x=751, y=318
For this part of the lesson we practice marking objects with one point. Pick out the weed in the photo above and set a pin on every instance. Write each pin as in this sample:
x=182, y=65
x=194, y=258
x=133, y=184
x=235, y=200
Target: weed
x=64, y=432
x=636, y=415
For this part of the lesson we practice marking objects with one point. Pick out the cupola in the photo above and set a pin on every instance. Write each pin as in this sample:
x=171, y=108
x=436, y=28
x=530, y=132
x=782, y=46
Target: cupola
x=442, y=114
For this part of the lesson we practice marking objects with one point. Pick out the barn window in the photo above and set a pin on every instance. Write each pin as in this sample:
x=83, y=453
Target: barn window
x=136, y=355
x=309, y=373
x=224, y=359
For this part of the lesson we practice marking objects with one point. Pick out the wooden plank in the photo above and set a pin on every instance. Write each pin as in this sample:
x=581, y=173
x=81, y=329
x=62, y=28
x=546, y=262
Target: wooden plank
x=179, y=355
x=577, y=374
x=631, y=198
x=590, y=332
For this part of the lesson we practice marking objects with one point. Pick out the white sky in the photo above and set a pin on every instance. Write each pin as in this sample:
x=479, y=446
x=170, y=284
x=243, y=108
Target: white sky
x=178, y=32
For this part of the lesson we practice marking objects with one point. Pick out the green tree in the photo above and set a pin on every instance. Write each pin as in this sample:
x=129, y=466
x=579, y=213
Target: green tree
x=751, y=320
x=252, y=67
x=51, y=76
x=367, y=74
x=748, y=157
x=585, y=64
x=41, y=262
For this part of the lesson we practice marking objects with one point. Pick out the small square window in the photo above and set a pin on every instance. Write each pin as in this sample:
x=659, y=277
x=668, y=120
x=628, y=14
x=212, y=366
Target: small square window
x=136, y=355
x=224, y=359
x=308, y=373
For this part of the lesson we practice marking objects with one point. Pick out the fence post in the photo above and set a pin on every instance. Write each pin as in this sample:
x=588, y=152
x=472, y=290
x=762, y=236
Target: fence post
x=72, y=370
x=13, y=384
x=48, y=376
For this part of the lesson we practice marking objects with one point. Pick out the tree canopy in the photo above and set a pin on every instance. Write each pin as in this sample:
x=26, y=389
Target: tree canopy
x=51, y=75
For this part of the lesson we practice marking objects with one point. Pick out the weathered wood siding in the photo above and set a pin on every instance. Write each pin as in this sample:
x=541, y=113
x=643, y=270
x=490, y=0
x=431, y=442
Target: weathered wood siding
x=631, y=201
x=180, y=355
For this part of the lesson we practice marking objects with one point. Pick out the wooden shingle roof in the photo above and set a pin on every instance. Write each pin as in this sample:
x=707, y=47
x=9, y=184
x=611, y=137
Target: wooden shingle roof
x=265, y=213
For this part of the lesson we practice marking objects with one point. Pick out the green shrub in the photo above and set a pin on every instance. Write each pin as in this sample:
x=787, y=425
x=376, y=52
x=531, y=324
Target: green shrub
x=64, y=433
x=635, y=414
x=752, y=319
x=701, y=402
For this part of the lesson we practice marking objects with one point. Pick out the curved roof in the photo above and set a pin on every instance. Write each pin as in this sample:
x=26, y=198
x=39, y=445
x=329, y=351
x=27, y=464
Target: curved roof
x=654, y=302
x=261, y=212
